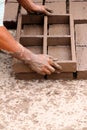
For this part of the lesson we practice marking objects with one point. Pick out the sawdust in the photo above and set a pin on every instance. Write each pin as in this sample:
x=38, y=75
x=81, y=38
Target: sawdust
x=40, y=105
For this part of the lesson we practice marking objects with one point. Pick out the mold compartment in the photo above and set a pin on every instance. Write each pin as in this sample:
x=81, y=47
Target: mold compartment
x=61, y=49
x=32, y=24
x=35, y=44
x=59, y=25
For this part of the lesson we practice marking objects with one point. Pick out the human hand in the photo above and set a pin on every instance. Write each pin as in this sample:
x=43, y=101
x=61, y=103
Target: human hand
x=40, y=9
x=42, y=64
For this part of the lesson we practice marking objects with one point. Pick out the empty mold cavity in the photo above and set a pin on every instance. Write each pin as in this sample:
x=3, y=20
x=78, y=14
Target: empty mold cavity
x=60, y=48
x=59, y=25
x=32, y=24
x=35, y=44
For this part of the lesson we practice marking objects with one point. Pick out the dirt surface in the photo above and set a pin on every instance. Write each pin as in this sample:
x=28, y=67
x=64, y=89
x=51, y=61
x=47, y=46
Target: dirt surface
x=40, y=105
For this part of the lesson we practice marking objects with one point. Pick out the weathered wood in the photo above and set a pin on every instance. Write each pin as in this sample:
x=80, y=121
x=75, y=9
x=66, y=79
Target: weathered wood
x=79, y=11
x=81, y=62
x=64, y=76
x=10, y=17
x=58, y=7
x=18, y=32
x=32, y=19
x=81, y=34
x=58, y=40
x=27, y=40
x=45, y=35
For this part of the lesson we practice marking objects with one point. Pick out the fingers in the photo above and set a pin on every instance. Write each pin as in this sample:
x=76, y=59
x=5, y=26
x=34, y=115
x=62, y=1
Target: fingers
x=58, y=67
x=46, y=12
x=49, y=10
x=53, y=62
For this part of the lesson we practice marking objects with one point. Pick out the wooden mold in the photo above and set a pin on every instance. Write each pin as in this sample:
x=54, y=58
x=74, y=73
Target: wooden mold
x=39, y=34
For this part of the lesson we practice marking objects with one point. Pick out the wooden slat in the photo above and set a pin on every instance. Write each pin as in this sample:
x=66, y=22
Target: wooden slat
x=45, y=36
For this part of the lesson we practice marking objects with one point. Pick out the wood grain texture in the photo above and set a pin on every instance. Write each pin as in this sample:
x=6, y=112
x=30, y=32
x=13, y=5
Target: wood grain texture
x=81, y=34
x=79, y=11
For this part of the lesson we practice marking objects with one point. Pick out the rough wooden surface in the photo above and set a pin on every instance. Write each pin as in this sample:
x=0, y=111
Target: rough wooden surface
x=79, y=11
x=11, y=12
x=61, y=76
x=81, y=34
x=59, y=29
x=81, y=62
x=57, y=7
x=81, y=50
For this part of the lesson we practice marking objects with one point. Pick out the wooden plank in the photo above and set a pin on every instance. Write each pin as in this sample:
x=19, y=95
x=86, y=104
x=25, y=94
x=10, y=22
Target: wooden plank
x=54, y=40
x=81, y=50
x=57, y=7
x=64, y=76
x=81, y=62
x=28, y=76
x=45, y=36
x=79, y=11
x=10, y=17
x=32, y=19
x=81, y=34
x=19, y=25
x=27, y=40
x=73, y=52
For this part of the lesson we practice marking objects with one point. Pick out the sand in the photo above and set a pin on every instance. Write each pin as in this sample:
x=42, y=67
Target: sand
x=40, y=105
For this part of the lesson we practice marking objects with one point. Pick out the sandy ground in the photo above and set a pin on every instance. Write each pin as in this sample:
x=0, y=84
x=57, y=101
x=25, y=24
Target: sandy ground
x=40, y=105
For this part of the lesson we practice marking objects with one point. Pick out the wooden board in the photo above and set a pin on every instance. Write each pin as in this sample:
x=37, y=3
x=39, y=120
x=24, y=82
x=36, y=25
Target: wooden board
x=64, y=76
x=11, y=13
x=79, y=11
x=81, y=34
x=81, y=62
x=58, y=7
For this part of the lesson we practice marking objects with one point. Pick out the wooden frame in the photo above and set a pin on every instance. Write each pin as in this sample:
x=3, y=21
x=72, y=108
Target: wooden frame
x=42, y=41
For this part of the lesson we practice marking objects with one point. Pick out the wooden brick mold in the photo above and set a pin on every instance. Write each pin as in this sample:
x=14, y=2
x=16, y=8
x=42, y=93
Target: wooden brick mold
x=51, y=35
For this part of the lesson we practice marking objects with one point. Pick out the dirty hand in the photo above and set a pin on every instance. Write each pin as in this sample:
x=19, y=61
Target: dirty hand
x=40, y=9
x=42, y=64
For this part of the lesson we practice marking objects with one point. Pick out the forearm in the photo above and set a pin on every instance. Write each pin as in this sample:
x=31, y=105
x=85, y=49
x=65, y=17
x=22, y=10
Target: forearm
x=8, y=43
x=27, y=4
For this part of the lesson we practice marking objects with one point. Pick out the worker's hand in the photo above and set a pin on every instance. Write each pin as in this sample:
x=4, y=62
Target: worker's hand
x=40, y=9
x=42, y=64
